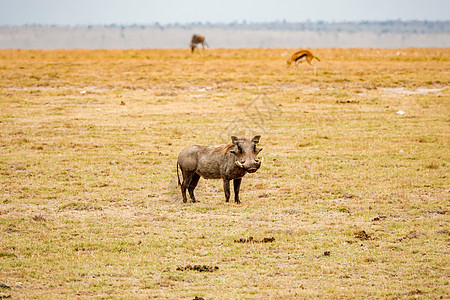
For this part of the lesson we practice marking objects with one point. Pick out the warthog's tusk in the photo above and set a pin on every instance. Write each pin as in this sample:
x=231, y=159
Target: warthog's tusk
x=262, y=159
x=239, y=164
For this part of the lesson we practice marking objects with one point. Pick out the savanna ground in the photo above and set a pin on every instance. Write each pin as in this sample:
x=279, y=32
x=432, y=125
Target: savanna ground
x=355, y=195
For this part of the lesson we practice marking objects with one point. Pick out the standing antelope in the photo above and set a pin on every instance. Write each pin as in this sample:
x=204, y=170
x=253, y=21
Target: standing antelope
x=301, y=56
x=198, y=39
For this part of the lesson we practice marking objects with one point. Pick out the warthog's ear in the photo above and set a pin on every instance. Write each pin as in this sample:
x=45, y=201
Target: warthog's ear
x=234, y=150
x=234, y=140
x=255, y=140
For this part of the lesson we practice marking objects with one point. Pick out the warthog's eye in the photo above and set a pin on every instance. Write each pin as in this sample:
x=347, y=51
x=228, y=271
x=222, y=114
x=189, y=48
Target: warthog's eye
x=239, y=149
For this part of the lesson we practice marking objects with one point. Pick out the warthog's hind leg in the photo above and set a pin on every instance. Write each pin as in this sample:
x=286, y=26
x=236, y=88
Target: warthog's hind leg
x=193, y=185
x=187, y=178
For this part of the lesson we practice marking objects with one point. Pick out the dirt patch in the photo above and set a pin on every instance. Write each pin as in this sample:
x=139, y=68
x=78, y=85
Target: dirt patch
x=438, y=212
x=348, y=196
x=416, y=292
x=405, y=91
x=347, y=101
x=252, y=240
x=411, y=235
x=4, y=286
x=444, y=231
x=3, y=294
x=198, y=268
x=264, y=195
x=39, y=218
x=166, y=94
x=379, y=218
x=79, y=206
x=12, y=230
x=18, y=166
x=362, y=235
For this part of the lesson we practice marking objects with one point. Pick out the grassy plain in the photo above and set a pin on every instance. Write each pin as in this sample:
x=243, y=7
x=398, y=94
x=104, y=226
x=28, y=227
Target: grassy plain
x=355, y=195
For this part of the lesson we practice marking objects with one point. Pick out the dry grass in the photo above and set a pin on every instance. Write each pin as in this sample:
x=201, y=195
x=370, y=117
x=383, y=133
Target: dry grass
x=88, y=199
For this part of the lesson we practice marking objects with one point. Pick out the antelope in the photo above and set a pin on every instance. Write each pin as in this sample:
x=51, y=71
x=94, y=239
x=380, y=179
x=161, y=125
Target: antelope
x=197, y=39
x=301, y=56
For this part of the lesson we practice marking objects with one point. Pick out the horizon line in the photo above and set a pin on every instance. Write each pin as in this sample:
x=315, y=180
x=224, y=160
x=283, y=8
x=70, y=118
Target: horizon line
x=209, y=23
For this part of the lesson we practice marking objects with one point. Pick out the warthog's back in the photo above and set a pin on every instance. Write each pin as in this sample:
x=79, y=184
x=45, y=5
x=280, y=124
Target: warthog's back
x=204, y=160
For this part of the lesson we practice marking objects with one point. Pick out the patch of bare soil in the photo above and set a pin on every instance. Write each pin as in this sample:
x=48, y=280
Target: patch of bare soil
x=199, y=268
x=4, y=286
x=3, y=294
x=439, y=212
x=416, y=292
x=405, y=91
x=362, y=235
x=444, y=231
x=252, y=240
x=347, y=101
x=39, y=218
x=348, y=196
x=379, y=218
x=411, y=235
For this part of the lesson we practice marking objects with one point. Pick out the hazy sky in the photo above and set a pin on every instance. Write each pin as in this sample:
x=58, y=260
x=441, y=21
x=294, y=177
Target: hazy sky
x=125, y=12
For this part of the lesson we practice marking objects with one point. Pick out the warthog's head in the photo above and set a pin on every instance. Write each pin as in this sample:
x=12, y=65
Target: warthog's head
x=246, y=152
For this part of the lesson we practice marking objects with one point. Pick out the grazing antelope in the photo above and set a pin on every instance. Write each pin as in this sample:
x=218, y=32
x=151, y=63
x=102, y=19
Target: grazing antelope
x=198, y=39
x=301, y=56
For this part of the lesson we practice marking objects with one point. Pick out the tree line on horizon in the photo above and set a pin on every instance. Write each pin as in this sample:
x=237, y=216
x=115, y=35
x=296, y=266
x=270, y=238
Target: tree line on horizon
x=378, y=27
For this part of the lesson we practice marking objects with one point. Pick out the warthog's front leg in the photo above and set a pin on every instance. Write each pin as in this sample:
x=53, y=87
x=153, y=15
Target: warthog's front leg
x=226, y=189
x=237, y=185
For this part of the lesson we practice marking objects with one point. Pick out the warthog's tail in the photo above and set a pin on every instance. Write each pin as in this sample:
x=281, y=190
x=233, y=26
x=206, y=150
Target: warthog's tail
x=178, y=175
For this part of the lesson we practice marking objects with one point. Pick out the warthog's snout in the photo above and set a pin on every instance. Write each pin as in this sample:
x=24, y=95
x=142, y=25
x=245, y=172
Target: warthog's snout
x=252, y=167
x=255, y=166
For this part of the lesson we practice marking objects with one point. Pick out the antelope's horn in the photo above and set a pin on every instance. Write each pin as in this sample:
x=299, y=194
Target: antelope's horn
x=239, y=164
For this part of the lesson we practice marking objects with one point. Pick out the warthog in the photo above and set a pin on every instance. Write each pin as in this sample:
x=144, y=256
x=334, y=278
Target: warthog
x=231, y=161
